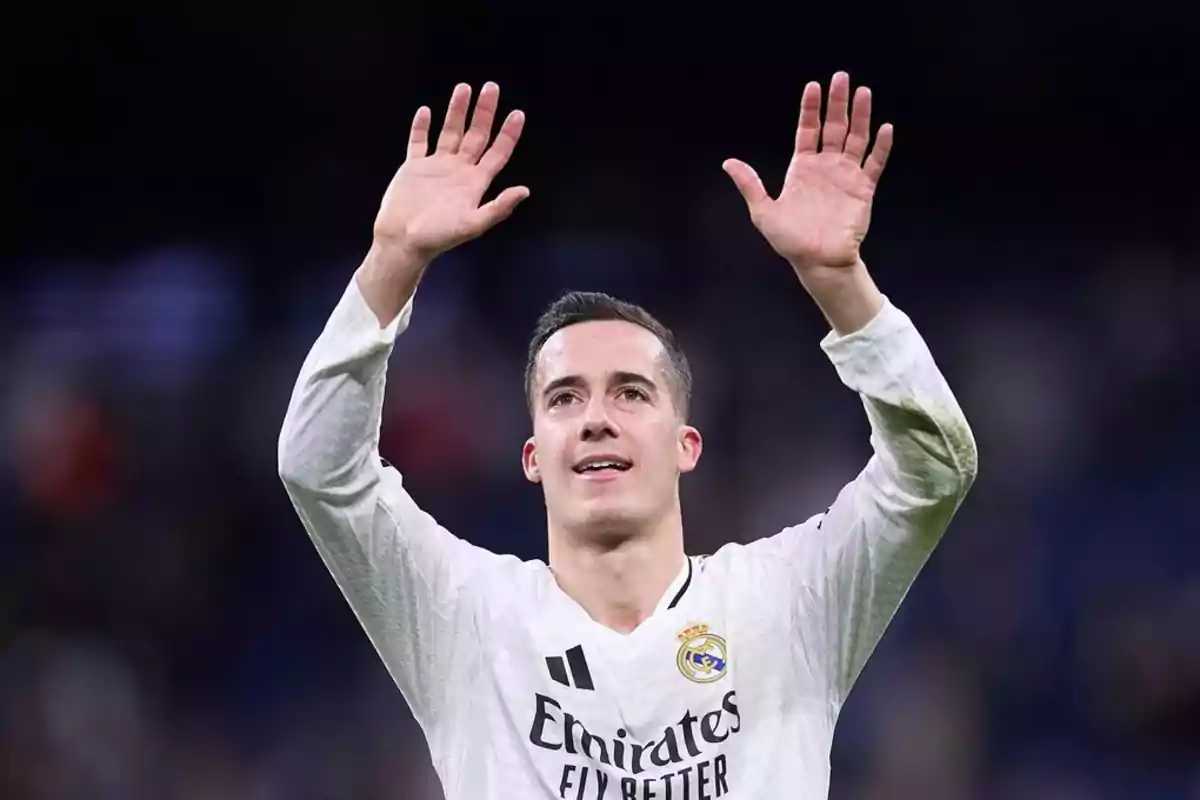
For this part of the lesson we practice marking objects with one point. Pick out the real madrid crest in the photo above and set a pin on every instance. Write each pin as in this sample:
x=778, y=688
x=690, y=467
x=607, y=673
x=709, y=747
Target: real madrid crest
x=702, y=655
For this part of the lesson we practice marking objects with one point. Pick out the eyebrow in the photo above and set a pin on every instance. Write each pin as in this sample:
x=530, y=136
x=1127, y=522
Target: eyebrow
x=615, y=378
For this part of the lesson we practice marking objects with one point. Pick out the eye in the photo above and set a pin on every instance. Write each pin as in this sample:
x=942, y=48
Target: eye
x=634, y=394
x=562, y=398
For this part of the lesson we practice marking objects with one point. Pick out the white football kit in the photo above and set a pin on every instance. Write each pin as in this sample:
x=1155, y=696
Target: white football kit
x=731, y=689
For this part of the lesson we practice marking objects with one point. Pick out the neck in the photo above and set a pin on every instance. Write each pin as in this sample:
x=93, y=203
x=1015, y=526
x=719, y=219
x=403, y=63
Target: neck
x=618, y=581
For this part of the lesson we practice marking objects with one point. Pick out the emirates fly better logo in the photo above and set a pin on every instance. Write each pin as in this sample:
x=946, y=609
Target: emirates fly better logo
x=683, y=761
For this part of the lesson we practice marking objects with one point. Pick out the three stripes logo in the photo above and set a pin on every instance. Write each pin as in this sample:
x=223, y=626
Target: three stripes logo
x=578, y=666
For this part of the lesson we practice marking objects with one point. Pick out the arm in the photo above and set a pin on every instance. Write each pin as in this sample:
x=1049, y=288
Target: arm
x=852, y=567
x=402, y=573
x=405, y=576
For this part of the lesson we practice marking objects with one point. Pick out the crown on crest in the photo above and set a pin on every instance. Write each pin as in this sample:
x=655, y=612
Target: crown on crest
x=694, y=630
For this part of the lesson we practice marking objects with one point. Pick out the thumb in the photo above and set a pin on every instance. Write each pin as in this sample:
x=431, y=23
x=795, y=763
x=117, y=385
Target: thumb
x=747, y=182
x=499, y=209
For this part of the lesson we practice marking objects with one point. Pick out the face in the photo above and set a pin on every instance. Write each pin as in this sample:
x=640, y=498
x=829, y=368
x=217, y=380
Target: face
x=608, y=445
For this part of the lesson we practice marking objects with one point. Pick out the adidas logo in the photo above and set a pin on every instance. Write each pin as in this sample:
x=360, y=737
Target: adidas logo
x=578, y=666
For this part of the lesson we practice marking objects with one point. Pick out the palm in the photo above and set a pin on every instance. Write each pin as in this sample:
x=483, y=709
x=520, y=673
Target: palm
x=433, y=199
x=824, y=209
x=433, y=202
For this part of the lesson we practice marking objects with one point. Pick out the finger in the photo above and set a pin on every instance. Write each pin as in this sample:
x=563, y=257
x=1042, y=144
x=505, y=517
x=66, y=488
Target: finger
x=837, y=118
x=480, y=132
x=502, y=148
x=748, y=184
x=808, y=131
x=860, y=125
x=456, y=118
x=877, y=160
x=418, y=137
x=501, y=208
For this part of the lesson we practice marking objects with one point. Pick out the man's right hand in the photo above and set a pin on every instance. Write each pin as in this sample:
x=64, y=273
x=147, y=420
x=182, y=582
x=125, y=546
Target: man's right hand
x=433, y=202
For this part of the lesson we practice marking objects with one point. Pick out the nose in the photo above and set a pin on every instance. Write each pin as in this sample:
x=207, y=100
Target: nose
x=597, y=424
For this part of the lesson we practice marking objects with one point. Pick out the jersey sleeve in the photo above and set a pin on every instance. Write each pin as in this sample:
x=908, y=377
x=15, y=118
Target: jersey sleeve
x=851, y=567
x=405, y=576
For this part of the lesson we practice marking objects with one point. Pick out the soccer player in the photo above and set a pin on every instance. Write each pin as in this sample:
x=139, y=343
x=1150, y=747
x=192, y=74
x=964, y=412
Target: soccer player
x=624, y=668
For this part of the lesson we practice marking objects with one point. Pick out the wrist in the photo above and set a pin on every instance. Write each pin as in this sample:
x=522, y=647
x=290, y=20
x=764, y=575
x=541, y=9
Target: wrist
x=847, y=296
x=389, y=257
x=388, y=277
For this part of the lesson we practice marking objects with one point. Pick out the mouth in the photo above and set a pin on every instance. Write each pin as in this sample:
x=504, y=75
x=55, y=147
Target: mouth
x=602, y=465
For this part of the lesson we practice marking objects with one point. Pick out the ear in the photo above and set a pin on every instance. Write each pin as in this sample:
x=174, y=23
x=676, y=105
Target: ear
x=529, y=461
x=690, y=446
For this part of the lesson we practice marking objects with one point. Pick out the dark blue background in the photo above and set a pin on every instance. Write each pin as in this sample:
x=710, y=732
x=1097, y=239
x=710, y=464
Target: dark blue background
x=191, y=194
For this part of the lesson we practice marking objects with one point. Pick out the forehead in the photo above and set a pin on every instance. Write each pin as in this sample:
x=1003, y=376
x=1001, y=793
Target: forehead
x=593, y=349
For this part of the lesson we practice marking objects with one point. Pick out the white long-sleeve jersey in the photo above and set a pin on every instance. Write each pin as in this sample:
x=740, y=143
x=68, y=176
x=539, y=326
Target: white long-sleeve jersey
x=731, y=689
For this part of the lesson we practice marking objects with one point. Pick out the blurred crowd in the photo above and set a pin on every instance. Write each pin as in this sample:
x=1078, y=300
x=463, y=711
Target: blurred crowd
x=194, y=202
x=170, y=631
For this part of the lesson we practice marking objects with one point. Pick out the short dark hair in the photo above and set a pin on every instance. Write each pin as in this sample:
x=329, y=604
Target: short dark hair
x=576, y=307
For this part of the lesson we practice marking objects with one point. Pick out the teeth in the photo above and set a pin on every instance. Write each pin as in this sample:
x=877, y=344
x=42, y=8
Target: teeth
x=598, y=465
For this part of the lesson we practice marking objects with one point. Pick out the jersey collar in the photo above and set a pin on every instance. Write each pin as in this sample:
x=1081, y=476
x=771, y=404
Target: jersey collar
x=677, y=589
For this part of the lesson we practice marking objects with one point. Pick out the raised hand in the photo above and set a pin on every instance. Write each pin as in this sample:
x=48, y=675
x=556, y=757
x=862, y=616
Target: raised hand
x=821, y=216
x=434, y=201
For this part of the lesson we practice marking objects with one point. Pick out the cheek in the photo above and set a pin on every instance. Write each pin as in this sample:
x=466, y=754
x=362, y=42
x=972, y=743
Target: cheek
x=549, y=450
x=661, y=447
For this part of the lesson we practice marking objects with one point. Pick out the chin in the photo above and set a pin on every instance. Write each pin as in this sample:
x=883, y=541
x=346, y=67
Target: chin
x=611, y=523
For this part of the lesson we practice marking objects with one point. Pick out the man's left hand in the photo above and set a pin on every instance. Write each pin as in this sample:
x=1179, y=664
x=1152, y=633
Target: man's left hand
x=821, y=216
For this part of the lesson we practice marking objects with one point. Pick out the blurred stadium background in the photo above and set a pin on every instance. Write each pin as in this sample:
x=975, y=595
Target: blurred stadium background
x=191, y=194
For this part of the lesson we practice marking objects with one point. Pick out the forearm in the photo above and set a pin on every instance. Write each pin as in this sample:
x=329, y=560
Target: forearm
x=884, y=526
x=847, y=296
x=331, y=429
x=923, y=444
x=916, y=423
x=402, y=573
x=388, y=279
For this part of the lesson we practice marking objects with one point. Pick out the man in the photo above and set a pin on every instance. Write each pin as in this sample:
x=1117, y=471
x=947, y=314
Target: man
x=624, y=668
